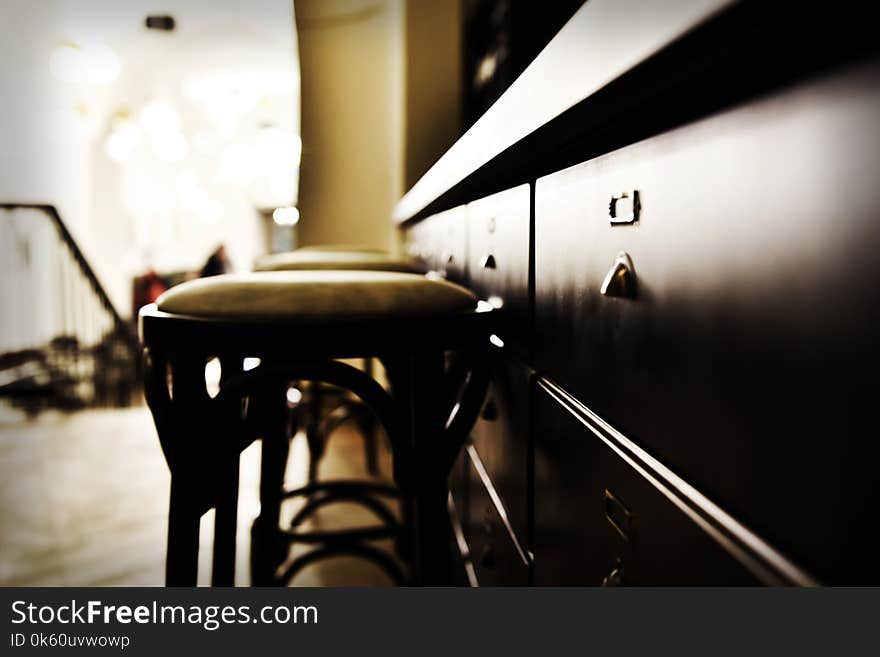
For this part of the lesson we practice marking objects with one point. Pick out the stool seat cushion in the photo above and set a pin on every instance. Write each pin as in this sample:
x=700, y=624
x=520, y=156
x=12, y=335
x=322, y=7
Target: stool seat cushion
x=336, y=260
x=317, y=296
x=333, y=248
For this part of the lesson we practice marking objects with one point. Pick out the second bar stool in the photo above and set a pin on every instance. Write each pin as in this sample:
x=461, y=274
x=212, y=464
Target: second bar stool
x=324, y=408
x=298, y=323
x=338, y=260
x=319, y=423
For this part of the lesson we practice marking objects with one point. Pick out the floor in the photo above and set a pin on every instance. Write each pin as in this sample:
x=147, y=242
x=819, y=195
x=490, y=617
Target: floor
x=83, y=502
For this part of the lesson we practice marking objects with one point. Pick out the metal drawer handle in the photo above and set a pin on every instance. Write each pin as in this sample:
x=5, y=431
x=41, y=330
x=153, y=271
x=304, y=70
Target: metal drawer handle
x=619, y=516
x=488, y=262
x=624, y=208
x=620, y=281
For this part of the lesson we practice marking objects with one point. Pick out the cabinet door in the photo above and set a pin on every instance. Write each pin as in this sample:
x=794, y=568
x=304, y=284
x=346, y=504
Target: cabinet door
x=440, y=241
x=498, y=261
x=501, y=437
x=713, y=292
x=497, y=553
x=598, y=521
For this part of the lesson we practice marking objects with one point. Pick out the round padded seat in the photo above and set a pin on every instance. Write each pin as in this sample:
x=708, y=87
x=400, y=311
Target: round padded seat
x=333, y=248
x=326, y=296
x=336, y=260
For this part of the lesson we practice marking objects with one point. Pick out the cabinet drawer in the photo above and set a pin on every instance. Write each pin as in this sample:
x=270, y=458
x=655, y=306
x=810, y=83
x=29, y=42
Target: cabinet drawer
x=498, y=259
x=740, y=360
x=417, y=242
x=599, y=522
x=459, y=485
x=441, y=241
x=501, y=437
x=496, y=552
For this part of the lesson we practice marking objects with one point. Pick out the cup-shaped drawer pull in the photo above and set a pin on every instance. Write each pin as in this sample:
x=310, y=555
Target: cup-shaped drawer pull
x=619, y=516
x=624, y=208
x=488, y=262
x=620, y=281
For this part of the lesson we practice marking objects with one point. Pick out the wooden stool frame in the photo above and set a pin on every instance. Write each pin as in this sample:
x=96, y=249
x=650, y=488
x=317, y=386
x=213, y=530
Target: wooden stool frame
x=202, y=437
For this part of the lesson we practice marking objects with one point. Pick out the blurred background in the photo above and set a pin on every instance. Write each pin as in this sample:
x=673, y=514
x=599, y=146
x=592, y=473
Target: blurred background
x=146, y=143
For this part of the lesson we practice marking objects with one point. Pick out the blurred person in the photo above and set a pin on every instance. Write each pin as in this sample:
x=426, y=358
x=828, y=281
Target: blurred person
x=147, y=288
x=216, y=264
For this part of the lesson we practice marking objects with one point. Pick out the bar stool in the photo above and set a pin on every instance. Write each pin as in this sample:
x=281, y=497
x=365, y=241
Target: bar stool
x=323, y=409
x=298, y=323
x=318, y=424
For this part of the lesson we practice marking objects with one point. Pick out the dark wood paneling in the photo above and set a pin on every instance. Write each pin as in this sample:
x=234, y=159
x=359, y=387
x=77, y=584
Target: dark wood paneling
x=599, y=522
x=496, y=552
x=746, y=360
x=441, y=242
x=498, y=261
x=501, y=437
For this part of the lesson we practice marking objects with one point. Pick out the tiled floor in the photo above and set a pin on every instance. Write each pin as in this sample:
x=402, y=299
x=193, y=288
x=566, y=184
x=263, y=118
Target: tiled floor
x=83, y=502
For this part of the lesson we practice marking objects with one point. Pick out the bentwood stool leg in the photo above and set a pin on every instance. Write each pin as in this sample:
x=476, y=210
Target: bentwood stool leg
x=315, y=437
x=182, y=561
x=368, y=430
x=187, y=501
x=226, y=523
x=433, y=564
x=267, y=550
x=201, y=441
x=226, y=505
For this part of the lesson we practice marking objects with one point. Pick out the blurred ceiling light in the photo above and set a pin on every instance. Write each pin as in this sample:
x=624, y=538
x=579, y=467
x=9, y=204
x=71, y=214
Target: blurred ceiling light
x=102, y=64
x=93, y=63
x=286, y=216
x=159, y=116
x=66, y=63
x=120, y=145
x=123, y=138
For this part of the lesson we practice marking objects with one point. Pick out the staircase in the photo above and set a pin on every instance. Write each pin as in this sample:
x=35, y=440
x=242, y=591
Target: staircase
x=63, y=344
